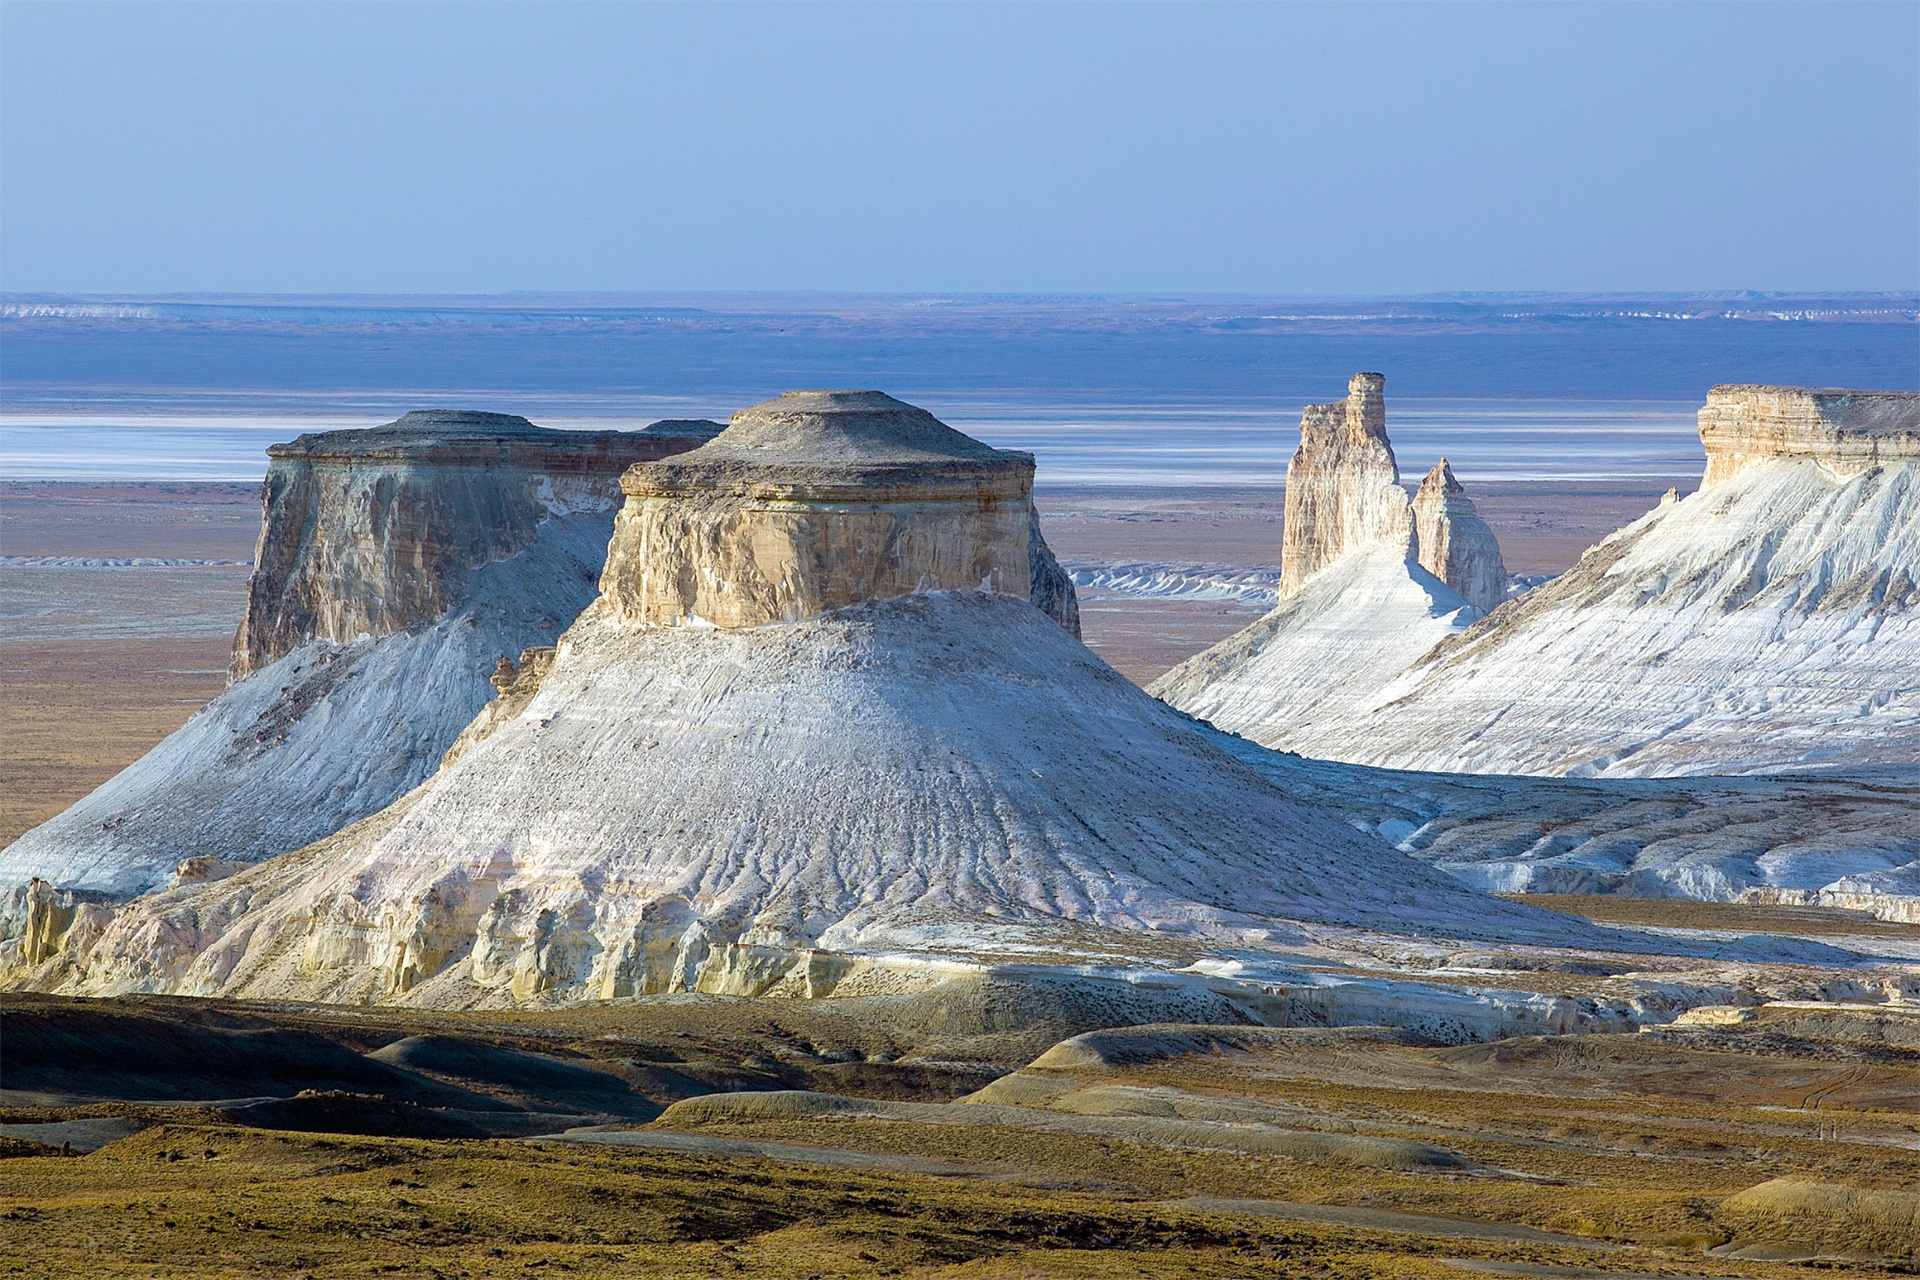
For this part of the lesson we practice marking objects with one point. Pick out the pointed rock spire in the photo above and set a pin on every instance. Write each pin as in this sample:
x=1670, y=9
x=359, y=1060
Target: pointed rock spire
x=1343, y=485
x=1454, y=544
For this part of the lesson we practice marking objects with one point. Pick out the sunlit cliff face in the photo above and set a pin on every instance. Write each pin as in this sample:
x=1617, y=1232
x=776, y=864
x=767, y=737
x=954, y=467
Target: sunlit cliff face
x=813, y=502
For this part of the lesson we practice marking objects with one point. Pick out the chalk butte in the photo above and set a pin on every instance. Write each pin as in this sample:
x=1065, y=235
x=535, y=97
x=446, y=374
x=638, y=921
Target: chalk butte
x=1454, y=544
x=822, y=499
x=1765, y=624
x=395, y=566
x=369, y=533
x=1847, y=432
x=1769, y=622
x=1344, y=495
x=1370, y=582
x=812, y=739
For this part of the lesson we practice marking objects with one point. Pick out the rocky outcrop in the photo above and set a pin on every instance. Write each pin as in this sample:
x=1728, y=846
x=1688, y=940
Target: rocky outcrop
x=1343, y=485
x=1370, y=582
x=1344, y=496
x=831, y=748
x=1454, y=544
x=369, y=533
x=1847, y=432
x=813, y=502
x=1768, y=622
x=396, y=566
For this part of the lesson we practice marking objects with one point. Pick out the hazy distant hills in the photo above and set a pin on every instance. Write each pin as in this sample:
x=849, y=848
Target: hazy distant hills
x=216, y=349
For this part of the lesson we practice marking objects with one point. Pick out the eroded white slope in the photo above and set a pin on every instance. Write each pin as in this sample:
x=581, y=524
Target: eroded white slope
x=1320, y=659
x=319, y=738
x=736, y=809
x=1770, y=622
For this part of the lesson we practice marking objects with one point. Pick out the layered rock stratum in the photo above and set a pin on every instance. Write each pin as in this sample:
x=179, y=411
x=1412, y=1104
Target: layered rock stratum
x=1768, y=622
x=813, y=738
x=395, y=567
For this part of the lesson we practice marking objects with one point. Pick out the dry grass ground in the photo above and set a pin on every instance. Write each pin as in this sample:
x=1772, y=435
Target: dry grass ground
x=1691, y=1153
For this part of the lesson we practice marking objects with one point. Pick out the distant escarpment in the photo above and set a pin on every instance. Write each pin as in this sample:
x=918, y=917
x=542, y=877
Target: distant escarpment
x=1769, y=622
x=395, y=567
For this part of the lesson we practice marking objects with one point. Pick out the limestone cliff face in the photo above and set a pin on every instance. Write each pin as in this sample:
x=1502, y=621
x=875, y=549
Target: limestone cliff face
x=1343, y=485
x=820, y=500
x=1344, y=497
x=1371, y=582
x=1848, y=432
x=368, y=533
x=812, y=722
x=1454, y=544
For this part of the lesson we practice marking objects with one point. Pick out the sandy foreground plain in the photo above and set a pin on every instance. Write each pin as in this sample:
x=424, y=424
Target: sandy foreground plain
x=99, y=663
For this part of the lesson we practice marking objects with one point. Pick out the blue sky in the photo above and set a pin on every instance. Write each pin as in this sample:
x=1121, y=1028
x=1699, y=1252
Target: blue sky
x=1249, y=148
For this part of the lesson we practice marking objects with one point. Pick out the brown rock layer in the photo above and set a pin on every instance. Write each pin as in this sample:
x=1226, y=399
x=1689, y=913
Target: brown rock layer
x=1850, y=431
x=819, y=500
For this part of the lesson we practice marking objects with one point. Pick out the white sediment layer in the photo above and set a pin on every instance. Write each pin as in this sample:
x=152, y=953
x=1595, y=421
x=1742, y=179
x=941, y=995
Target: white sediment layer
x=1769, y=623
x=737, y=809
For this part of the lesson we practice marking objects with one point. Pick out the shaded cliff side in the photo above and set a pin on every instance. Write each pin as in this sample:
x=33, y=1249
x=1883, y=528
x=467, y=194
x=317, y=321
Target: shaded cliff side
x=396, y=566
x=369, y=533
